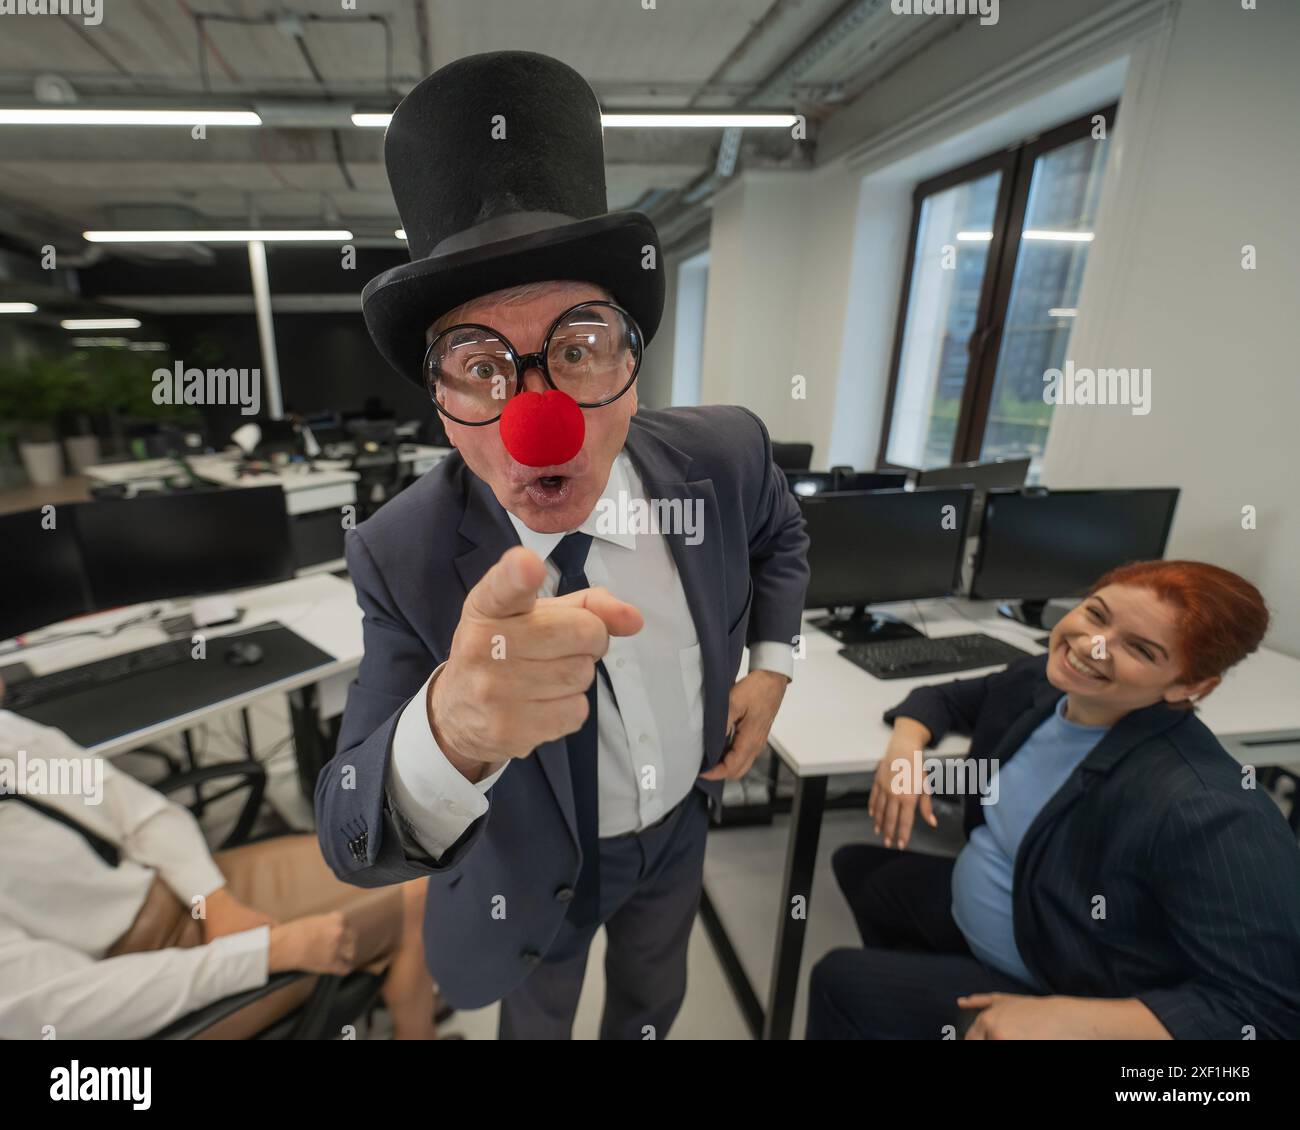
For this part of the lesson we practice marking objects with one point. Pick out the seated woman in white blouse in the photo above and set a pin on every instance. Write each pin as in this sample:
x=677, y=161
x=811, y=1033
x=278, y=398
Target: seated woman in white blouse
x=115, y=920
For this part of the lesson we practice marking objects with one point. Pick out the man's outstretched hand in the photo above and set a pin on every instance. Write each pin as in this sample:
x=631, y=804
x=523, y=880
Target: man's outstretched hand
x=519, y=667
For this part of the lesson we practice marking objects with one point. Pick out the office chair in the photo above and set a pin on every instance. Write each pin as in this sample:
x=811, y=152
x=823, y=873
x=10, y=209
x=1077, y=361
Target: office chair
x=334, y=1002
x=792, y=456
x=377, y=461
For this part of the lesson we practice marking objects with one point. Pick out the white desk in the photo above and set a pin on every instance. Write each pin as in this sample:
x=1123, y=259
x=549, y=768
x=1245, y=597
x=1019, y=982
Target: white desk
x=321, y=609
x=329, y=487
x=305, y=491
x=830, y=723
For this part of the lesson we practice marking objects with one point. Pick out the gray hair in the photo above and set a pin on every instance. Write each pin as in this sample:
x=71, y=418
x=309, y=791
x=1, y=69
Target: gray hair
x=510, y=296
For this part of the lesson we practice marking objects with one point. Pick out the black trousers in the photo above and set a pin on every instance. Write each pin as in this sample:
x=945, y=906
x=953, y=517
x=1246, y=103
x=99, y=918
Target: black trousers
x=904, y=985
x=650, y=885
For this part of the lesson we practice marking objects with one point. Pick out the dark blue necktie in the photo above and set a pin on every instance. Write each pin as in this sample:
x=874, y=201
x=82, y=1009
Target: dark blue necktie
x=570, y=556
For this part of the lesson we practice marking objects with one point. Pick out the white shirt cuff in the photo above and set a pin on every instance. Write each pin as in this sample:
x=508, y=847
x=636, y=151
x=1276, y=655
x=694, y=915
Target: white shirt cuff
x=772, y=655
x=432, y=795
x=244, y=958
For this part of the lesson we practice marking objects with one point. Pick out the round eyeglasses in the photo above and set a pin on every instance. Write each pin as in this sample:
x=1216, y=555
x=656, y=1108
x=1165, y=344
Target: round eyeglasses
x=592, y=352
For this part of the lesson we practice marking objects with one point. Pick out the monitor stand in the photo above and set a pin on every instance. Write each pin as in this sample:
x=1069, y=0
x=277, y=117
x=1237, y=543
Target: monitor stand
x=1028, y=612
x=864, y=627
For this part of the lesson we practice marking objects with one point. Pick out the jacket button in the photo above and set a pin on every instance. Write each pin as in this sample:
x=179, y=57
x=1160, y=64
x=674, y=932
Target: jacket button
x=532, y=957
x=564, y=894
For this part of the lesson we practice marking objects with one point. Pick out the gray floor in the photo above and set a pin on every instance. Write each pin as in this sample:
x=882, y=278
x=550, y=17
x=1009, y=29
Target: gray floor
x=743, y=870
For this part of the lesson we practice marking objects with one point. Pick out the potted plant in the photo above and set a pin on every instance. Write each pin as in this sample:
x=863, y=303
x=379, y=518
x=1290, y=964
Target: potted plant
x=85, y=402
x=31, y=397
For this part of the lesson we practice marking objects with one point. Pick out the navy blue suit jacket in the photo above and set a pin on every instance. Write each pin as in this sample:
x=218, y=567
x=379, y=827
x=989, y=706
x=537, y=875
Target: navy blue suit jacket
x=1200, y=876
x=413, y=564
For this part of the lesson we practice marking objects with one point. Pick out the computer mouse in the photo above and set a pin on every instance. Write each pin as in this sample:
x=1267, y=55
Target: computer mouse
x=242, y=653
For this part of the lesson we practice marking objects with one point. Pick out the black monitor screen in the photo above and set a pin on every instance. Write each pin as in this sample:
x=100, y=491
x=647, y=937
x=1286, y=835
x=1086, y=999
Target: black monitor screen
x=1003, y=473
x=872, y=547
x=870, y=480
x=171, y=545
x=1038, y=546
x=41, y=580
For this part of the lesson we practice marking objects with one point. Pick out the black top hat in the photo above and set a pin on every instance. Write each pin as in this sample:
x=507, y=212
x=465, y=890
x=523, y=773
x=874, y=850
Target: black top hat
x=498, y=169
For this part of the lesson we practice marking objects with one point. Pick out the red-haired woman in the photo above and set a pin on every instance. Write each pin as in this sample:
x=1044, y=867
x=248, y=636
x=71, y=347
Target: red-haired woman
x=1128, y=881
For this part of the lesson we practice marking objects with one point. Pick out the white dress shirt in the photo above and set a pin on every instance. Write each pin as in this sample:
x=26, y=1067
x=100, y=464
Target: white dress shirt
x=650, y=746
x=62, y=907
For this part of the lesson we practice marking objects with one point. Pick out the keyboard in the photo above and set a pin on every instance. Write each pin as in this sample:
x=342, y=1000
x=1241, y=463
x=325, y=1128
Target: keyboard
x=918, y=657
x=57, y=684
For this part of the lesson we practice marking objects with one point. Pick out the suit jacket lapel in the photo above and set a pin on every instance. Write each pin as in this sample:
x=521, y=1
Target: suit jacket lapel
x=1128, y=733
x=666, y=474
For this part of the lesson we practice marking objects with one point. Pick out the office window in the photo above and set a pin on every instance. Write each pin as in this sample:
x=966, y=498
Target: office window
x=688, y=335
x=992, y=286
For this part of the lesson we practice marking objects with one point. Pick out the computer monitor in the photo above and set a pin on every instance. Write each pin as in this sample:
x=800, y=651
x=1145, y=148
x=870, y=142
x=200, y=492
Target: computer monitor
x=848, y=479
x=326, y=427
x=279, y=437
x=41, y=578
x=1037, y=545
x=872, y=547
x=987, y=476
x=172, y=545
x=805, y=483
x=792, y=456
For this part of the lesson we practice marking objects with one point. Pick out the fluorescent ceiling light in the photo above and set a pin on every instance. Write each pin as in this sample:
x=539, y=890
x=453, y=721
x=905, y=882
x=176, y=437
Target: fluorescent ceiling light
x=1062, y=312
x=100, y=342
x=49, y=116
x=974, y=236
x=17, y=308
x=217, y=236
x=100, y=323
x=400, y=233
x=698, y=121
x=1059, y=236
x=648, y=121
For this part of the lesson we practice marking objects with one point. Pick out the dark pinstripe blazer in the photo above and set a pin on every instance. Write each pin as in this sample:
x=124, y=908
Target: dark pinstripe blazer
x=1200, y=877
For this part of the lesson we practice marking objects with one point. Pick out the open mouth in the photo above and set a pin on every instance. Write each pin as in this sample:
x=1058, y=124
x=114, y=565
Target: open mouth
x=1082, y=667
x=549, y=490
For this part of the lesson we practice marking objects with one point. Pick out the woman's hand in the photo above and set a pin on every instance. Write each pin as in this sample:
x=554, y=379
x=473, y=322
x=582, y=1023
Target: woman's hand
x=899, y=787
x=1008, y=1016
x=321, y=943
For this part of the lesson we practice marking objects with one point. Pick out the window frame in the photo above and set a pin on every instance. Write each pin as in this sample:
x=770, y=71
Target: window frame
x=1016, y=163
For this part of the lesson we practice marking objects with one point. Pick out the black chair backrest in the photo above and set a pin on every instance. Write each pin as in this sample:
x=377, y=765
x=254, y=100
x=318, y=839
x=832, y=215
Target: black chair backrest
x=792, y=456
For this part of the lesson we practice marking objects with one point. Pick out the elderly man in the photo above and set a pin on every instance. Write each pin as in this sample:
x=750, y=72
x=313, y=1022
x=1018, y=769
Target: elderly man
x=547, y=706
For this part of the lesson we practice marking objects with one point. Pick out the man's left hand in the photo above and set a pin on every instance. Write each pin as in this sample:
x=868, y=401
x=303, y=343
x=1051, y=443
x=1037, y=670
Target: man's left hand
x=755, y=699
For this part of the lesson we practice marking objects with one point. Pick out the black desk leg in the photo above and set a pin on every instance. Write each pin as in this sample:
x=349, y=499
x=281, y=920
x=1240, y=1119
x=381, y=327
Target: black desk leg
x=801, y=855
x=312, y=746
x=250, y=751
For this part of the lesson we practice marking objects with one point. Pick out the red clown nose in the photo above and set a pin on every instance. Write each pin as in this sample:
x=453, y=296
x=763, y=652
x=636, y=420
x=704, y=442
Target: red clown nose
x=543, y=429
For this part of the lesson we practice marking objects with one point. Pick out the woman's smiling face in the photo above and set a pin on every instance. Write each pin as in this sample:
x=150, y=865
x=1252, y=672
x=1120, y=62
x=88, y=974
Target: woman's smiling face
x=1118, y=651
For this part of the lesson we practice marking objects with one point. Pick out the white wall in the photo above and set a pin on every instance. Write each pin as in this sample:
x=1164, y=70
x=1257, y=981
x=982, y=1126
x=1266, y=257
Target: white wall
x=829, y=244
x=773, y=313
x=1208, y=160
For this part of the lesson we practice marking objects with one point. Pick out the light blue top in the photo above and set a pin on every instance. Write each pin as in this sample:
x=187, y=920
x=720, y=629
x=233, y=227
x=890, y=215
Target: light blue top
x=981, y=879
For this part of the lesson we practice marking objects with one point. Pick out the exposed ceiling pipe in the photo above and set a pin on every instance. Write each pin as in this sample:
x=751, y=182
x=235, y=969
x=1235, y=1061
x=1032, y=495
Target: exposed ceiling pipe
x=778, y=85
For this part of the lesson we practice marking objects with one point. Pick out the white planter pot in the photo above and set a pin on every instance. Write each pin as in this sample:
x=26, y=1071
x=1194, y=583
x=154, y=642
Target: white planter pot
x=43, y=462
x=82, y=452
